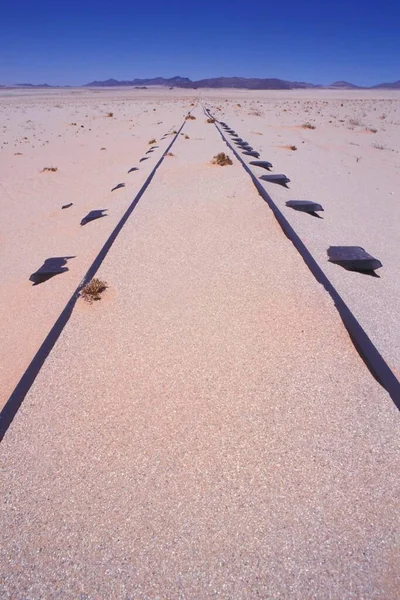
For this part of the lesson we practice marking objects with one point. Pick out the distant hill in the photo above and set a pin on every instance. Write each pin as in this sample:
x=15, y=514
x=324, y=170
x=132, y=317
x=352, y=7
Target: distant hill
x=244, y=83
x=345, y=85
x=238, y=83
x=214, y=82
x=387, y=86
x=172, y=81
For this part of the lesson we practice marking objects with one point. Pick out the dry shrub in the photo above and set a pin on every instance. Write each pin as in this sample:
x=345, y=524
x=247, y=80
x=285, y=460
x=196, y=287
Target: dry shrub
x=221, y=159
x=93, y=289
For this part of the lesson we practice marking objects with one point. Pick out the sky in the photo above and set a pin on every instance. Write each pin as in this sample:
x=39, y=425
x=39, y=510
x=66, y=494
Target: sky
x=75, y=42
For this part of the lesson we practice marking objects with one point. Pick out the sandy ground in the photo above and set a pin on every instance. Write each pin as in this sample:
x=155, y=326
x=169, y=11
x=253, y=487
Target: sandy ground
x=207, y=429
x=93, y=153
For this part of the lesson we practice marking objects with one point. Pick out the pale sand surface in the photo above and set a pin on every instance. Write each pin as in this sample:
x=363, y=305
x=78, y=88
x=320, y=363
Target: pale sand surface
x=207, y=430
x=358, y=185
x=33, y=226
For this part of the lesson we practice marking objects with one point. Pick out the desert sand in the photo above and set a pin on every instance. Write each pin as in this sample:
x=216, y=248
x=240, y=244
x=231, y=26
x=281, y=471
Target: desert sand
x=207, y=429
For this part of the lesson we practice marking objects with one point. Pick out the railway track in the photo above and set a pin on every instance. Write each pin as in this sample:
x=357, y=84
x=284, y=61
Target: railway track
x=23, y=386
x=363, y=344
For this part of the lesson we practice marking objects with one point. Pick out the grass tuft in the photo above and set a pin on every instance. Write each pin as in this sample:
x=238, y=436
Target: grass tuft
x=221, y=159
x=93, y=289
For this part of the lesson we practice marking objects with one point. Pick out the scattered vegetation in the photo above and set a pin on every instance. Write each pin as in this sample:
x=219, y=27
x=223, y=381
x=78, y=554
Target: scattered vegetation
x=211, y=120
x=52, y=169
x=221, y=159
x=93, y=289
x=190, y=118
x=308, y=125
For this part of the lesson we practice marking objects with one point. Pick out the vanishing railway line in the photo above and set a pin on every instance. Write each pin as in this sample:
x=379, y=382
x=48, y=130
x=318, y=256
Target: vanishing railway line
x=368, y=352
x=363, y=344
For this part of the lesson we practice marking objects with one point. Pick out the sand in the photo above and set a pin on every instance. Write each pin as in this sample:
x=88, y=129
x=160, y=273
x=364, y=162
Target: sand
x=207, y=429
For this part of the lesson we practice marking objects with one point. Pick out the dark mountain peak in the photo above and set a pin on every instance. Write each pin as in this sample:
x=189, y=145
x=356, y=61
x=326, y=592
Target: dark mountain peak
x=344, y=85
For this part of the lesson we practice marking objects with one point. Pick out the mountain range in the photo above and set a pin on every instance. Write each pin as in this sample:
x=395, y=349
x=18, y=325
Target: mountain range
x=238, y=83
x=224, y=82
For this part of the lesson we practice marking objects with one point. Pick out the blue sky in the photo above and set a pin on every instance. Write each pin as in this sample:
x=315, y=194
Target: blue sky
x=76, y=42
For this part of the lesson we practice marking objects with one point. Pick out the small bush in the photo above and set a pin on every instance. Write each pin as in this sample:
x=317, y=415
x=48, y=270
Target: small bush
x=308, y=125
x=52, y=169
x=93, y=289
x=221, y=159
x=153, y=141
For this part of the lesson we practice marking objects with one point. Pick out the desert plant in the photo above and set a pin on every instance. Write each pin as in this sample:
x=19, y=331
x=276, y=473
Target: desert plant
x=221, y=159
x=52, y=169
x=308, y=125
x=93, y=289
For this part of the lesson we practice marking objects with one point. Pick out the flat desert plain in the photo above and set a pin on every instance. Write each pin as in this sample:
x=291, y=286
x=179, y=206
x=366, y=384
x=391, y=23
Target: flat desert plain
x=207, y=429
